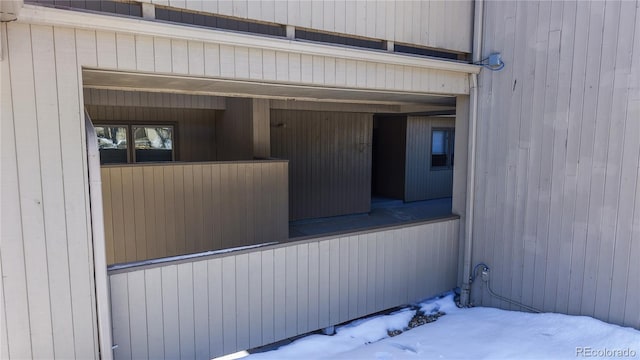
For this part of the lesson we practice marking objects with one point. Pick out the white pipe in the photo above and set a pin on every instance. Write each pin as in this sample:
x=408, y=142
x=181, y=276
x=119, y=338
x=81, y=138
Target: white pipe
x=471, y=164
x=477, y=30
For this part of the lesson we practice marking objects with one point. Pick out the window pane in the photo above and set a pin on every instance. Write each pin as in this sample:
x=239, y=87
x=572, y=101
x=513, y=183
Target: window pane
x=442, y=148
x=111, y=137
x=153, y=137
x=438, y=142
x=112, y=142
x=153, y=143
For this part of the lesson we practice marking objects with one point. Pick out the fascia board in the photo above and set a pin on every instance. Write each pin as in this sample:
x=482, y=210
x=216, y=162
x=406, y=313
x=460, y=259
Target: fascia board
x=41, y=15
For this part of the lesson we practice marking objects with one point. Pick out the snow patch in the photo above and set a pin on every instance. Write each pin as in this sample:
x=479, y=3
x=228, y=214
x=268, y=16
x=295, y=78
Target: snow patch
x=478, y=333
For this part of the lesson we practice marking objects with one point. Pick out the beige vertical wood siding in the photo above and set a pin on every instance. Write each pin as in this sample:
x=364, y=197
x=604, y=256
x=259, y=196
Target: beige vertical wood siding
x=195, y=129
x=226, y=303
x=404, y=159
x=235, y=130
x=126, y=50
x=46, y=247
x=558, y=191
x=329, y=157
x=151, y=99
x=261, y=128
x=154, y=211
x=46, y=253
x=421, y=182
x=437, y=24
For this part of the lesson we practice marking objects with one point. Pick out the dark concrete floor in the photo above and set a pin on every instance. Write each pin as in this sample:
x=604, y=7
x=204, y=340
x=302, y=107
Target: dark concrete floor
x=383, y=212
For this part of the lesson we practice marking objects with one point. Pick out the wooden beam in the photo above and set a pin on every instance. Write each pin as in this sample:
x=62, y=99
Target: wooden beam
x=148, y=10
x=356, y=107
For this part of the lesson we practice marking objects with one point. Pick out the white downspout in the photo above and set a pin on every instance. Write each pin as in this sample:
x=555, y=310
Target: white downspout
x=471, y=164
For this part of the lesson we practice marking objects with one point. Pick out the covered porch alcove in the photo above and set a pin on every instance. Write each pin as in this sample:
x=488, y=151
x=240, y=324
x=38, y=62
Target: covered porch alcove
x=164, y=298
x=220, y=188
x=198, y=246
x=213, y=189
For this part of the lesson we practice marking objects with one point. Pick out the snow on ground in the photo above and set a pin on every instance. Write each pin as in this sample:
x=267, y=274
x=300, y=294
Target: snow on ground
x=475, y=333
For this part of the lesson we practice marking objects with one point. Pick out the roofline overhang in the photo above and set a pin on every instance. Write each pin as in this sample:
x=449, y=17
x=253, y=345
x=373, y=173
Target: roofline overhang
x=42, y=15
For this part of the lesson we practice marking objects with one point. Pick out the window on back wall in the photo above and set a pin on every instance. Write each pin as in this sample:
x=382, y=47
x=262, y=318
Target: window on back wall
x=153, y=143
x=442, y=145
x=112, y=142
x=121, y=144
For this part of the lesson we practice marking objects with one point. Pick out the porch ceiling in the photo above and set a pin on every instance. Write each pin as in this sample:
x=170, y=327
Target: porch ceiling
x=105, y=79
